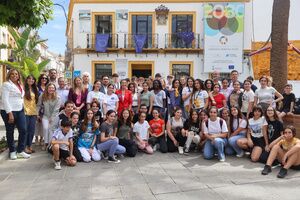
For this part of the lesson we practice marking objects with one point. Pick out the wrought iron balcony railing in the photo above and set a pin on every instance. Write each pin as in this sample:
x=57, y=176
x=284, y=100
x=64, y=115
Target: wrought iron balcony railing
x=177, y=41
x=150, y=43
x=112, y=41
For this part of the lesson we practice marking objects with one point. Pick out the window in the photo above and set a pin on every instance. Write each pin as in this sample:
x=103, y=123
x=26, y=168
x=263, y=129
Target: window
x=142, y=24
x=181, y=23
x=179, y=70
x=103, y=25
x=102, y=69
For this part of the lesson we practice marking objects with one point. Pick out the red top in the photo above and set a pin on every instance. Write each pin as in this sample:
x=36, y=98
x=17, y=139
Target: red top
x=219, y=98
x=156, y=126
x=124, y=102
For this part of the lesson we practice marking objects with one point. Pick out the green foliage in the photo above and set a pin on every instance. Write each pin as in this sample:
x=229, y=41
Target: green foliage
x=25, y=53
x=21, y=13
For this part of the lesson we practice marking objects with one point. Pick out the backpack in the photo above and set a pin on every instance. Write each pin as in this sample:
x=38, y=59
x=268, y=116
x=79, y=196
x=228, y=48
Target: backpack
x=220, y=121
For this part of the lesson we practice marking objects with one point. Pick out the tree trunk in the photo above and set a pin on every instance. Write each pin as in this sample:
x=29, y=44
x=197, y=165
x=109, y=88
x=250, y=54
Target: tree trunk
x=279, y=39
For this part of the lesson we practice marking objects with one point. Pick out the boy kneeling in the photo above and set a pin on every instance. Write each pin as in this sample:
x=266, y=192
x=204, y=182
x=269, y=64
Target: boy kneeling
x=62, y=145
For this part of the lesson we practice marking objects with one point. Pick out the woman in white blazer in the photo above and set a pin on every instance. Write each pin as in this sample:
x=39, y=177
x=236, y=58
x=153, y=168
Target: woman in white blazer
x=12, y=112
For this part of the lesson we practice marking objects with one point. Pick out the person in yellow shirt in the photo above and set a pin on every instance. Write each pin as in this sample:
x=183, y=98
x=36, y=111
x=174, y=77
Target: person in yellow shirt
x=30, y=101
x=287, y=150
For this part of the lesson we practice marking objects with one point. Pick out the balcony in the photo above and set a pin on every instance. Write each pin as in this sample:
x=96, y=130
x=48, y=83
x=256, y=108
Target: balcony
x=175, y=41
x=150, y=43
x=113, y=41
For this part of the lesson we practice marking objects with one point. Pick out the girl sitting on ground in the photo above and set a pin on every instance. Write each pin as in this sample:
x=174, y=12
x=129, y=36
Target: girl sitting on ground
x=124, y=132
x=108, y=142
x=175, y=139
x=286, y=149
x=89, y=131
x=157, y=133
x=274, y=130
x=215, y=131
x=256, y=135
x=141, y=129
x=191, y=129
x=238, y=130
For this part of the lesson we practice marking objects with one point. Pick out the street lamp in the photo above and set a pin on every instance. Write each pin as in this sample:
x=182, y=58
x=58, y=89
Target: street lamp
x=63, y=8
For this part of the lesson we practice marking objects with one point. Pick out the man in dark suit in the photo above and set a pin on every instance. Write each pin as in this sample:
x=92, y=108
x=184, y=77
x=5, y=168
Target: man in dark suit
x=105, y=82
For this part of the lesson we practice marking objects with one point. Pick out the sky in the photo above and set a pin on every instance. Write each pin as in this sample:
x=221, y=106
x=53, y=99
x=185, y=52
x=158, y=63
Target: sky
x=54, y=31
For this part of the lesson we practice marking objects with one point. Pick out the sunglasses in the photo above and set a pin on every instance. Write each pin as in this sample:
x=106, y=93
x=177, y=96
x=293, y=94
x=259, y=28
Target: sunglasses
x=45, y=78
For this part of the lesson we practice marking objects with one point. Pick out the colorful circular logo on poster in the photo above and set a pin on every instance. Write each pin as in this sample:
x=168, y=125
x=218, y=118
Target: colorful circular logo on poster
x=223, y=18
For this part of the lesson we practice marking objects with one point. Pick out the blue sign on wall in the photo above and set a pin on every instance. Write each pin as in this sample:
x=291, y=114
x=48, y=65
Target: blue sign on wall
x=77, y=73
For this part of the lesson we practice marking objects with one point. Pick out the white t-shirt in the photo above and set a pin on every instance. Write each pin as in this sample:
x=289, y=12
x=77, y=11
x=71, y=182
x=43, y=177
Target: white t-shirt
x=214, y=127
x=256, y=126
x=198, y=99
x=265, y=95
x=59, y=136
x=96, y=95
x=248, y=96
x=159, y=98
x=111, y=101
x=142, y=129
x=135, y=99
x=242, y=124
x=187, y=91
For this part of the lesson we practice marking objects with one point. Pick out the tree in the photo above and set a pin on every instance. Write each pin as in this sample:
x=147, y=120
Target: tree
x=25, y=53
x=279, y=40
x=20, y=13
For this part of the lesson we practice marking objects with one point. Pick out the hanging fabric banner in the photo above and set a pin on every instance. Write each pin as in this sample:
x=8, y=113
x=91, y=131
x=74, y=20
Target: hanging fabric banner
x=187, y=37
x=139, y=42
x=101, y=42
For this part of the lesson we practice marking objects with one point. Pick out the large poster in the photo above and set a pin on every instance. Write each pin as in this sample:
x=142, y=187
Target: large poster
x=223, y=36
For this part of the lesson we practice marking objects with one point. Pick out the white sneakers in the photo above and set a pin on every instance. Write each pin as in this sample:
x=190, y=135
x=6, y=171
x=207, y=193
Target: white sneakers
x=14, y=155
x=222, y=160
x=23, y=155
x=241, y=154
x=57, y=165
x=180, y=150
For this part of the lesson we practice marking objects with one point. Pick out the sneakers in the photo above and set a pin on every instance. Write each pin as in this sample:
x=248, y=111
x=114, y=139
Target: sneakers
x=13, y=155
x=267, y=169
x=180, y=150
x=57, y=165
x=121, y=156
x=112, y=159
x=186, y=150
x=241, y=154
x=282, y=173
x=222, y=160
x=23, y=155
x=155, y=148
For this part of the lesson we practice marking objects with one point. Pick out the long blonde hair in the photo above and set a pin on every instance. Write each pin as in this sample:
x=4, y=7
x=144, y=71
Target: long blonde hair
x=46, y=96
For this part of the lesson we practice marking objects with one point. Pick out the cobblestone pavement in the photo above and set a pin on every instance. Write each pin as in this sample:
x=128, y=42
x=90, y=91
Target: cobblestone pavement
x=158, y=176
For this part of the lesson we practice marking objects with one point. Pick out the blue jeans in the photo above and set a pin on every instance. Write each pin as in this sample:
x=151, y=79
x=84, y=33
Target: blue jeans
x=30, y=127
x=20, y=123
x=112, y=146
x=232, y=146
x=209, y=148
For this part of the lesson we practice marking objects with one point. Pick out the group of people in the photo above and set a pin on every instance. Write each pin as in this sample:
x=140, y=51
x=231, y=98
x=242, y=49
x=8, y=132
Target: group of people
x=110, y=119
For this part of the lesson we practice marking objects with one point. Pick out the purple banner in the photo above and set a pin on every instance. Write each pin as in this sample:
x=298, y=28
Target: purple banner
x=101, y=42
x=139, y=42
x=187, y=37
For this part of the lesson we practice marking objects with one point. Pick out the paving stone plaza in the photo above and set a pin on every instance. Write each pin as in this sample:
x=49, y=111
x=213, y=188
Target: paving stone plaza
x=159, y=176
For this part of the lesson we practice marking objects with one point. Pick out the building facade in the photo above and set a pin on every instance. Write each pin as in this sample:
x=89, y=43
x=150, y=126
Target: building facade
x=161, y=21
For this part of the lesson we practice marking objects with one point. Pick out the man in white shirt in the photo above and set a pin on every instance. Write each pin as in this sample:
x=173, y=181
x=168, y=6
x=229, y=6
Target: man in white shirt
x=62, y=92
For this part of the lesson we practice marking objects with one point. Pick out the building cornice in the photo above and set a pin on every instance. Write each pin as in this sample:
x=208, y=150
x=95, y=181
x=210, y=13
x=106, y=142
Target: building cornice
x=72, y=2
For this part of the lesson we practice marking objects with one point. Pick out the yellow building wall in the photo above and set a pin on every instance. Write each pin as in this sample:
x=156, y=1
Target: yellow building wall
x=261, y=61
